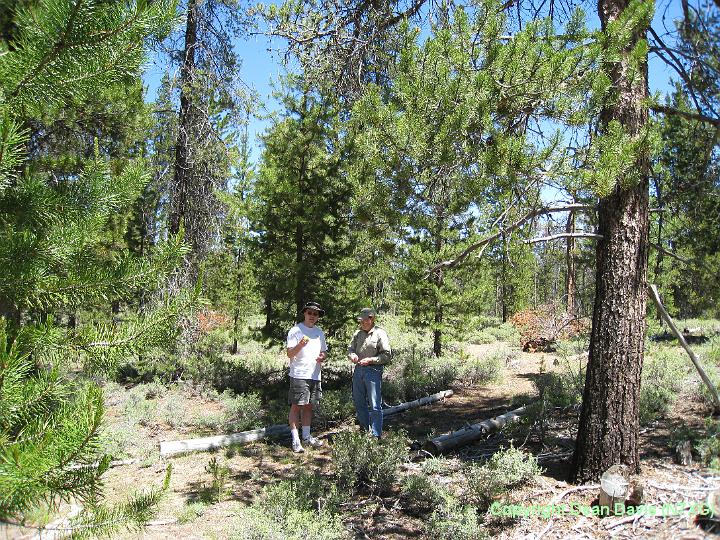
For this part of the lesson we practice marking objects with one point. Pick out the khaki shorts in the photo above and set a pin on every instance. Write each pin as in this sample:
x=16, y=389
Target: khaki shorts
x=304, y=392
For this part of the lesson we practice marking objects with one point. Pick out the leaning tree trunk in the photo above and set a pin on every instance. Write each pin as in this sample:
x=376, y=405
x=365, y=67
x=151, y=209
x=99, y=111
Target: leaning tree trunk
x=609, y=423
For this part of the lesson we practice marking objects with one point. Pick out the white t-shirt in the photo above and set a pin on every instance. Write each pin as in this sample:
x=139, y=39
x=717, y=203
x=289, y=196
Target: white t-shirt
x=304, y=365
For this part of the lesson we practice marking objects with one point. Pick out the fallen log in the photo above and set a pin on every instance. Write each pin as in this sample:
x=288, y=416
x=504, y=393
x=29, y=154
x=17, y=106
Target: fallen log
x=389, y=411
x=170, y=448
x=652, y=290
x=471, y=433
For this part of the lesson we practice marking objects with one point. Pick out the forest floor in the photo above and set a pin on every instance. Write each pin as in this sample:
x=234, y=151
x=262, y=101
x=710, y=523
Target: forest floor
x=671, y=491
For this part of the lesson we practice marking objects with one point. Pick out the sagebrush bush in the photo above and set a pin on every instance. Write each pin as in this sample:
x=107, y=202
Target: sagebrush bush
x=709, y=446
x=414, y=375
x=363, y=463
x=482, y=370
x=505, y=470
x=562, y=389
x=306, y=492
x=453, y=520
x=242, y=412
x=137, y=408
x=421, y=494
x=254, y=523
x=335, y=407
x=664, y=374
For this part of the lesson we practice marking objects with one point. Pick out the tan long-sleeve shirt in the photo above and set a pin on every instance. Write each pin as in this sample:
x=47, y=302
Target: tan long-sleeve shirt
x=372, y=344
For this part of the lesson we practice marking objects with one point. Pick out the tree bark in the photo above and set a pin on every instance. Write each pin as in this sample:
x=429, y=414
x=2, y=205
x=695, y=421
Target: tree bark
x=182, y=176
x=609, y=422
x=438, y=280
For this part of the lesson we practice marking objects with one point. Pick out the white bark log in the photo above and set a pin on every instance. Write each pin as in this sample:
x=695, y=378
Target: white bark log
x=389, y=411
x=472, y=433
x=170, y=448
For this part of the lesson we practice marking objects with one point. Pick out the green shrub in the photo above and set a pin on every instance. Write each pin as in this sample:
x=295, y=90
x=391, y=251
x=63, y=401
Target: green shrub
x=483, y=337
x=335, y=407
x=255, y=523
x=505, y=332
x=242, y=412
x=296, y=509
x=505, y=470
x=709, y=446
x=413, y=376
x=482, y=370
x=219, y=473
x=364, y=463
x=562, y=389
x=655, y=402
x=191, y=512
x=421, y=494
x=664, y=374
x=437, y=465
x=453, y=520
x=305, y=492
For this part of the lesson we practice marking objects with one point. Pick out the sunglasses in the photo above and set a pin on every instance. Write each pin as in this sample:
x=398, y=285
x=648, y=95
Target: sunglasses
x=311, y=312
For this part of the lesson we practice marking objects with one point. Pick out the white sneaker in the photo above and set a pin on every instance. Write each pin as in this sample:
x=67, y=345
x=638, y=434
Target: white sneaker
x=312, y=441
x=297, y=447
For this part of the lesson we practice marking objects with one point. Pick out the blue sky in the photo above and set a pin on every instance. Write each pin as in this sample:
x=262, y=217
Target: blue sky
x=260, y=66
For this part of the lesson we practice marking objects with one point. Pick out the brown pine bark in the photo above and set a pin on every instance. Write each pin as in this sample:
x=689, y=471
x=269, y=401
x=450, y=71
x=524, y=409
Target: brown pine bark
x=609, y=422
x=182, y=178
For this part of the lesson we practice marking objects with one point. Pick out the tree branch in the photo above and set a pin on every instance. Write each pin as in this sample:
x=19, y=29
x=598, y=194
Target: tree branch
x=663, y=109
x=669, y=253
x=578, y=234
x=519, y=223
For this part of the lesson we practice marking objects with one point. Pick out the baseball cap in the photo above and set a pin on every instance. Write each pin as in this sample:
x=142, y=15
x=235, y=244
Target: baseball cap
x=366, y=313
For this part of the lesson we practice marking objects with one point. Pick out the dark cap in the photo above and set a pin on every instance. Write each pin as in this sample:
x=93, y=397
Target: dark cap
x=315, y=306
x=366, y=313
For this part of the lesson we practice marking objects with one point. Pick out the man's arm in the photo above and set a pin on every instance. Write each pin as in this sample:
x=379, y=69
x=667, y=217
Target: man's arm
x=352, y=349
x=384, y=353
x=295, y=343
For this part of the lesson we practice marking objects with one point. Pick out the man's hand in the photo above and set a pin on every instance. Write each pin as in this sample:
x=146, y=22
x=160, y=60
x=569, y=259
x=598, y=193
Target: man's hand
x=304, y=341
x=367, y=361
x=321, y=357
x=353, y=358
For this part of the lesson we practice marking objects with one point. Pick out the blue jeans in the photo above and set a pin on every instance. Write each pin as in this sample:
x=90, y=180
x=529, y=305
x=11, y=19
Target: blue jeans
x=367, y=396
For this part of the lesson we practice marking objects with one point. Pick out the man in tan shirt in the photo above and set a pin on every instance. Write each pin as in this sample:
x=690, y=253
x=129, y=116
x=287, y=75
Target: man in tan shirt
x=369, y=350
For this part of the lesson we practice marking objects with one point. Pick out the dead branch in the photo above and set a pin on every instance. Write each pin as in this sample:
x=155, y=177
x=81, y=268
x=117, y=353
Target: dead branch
x=505, y=230
x=578, y=234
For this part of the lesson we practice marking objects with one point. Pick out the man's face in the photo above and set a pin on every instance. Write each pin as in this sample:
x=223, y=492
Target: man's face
x=367, y=324
x=311, y=317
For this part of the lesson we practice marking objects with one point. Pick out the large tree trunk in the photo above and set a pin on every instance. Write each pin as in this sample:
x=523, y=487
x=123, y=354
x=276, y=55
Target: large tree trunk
x=181, y=188
x=609, y=422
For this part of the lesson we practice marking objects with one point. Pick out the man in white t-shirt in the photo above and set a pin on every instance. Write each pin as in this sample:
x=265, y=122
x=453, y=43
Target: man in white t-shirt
x=306, y=349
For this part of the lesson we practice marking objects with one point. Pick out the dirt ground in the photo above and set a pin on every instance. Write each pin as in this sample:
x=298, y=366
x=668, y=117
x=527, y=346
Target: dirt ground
x=672, y=492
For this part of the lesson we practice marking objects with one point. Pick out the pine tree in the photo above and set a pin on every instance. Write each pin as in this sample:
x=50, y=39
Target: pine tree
x=617, y=341
x=301, y=216
x=53, y=254
x=210, y=101
x=450, y=131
